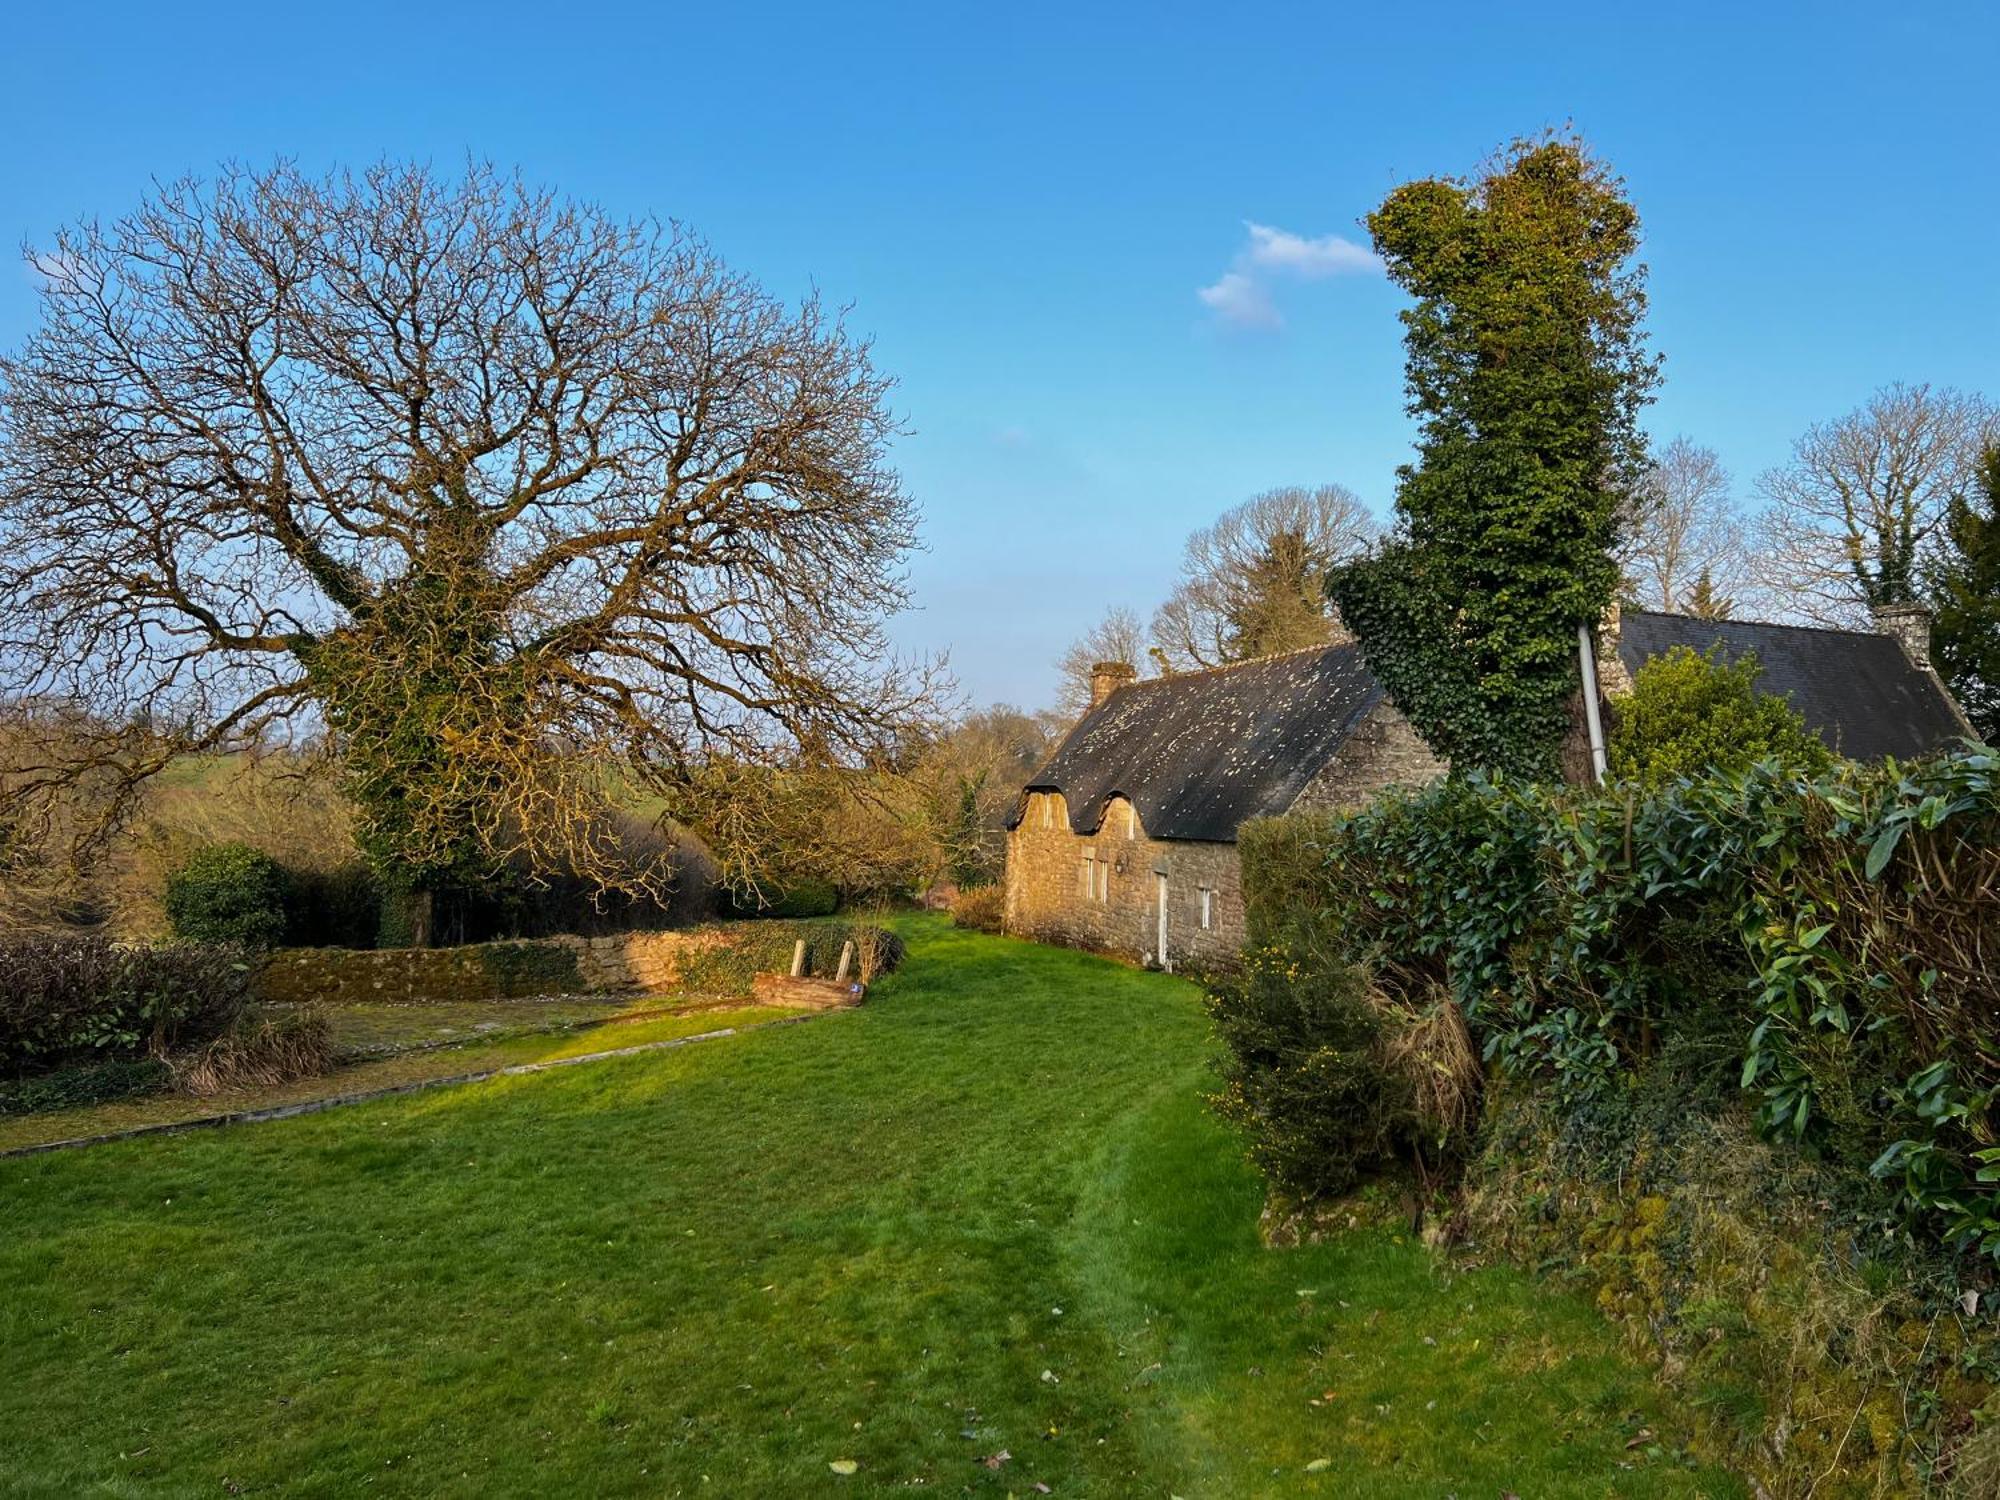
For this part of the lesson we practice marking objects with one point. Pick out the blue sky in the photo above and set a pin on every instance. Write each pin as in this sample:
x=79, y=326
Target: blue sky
x=1023, y=204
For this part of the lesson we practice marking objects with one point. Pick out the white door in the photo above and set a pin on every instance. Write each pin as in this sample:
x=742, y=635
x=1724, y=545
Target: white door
x=1161, y=946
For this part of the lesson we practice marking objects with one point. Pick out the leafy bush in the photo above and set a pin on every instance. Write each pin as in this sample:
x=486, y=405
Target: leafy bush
x=66, y=1000
x=794, y=901
x=1304, y=1071
x=335, y=906
x=983, y=908
x=227, y=893
x=1688, y=715
x=1821, y=943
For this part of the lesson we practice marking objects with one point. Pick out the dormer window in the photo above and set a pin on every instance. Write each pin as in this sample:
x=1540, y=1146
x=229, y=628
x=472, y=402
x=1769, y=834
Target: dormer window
x=1048, y=809
x=1131, y=821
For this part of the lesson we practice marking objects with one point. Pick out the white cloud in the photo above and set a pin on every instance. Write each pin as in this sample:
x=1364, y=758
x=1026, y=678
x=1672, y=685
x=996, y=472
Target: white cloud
x=1241, y=296
x=1241, y=301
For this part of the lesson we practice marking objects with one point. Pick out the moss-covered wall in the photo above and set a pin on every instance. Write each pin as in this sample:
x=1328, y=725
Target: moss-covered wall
x=1815, y=1361
x=717, y=959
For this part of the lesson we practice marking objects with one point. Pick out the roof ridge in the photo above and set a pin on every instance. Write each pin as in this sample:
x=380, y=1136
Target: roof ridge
x=1235, y=666
x=1670, y=614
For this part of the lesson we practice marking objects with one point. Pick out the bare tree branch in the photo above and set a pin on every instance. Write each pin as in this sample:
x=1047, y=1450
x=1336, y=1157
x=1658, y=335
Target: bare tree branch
x=292, y=455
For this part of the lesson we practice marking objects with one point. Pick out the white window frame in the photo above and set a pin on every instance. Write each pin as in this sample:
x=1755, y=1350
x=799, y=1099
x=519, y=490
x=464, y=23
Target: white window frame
x=1207, y=909
x=1088, y=871
x=1131, y=821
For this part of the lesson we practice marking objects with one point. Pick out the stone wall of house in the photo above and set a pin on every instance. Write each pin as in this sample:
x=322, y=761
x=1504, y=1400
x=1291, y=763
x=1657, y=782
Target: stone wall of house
x=1047, y=870
x=1101, y=891
x=1382, y=751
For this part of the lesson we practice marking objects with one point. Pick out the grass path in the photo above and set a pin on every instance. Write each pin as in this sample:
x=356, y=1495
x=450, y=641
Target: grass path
x=984, y=1215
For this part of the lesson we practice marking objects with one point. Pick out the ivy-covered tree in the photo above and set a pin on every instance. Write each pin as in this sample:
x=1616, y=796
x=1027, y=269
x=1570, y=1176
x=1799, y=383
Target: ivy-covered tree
x=1526, y=371
x=1965, y=597
x=523, y=510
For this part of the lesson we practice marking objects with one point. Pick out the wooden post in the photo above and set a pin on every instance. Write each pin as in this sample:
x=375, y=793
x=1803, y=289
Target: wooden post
x=846, y=958
x=799, y=958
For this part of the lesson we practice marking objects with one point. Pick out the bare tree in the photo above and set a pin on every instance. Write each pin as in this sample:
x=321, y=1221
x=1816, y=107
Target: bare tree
x=1681, y=527
x=1119, y=636
x=1254, y=583
x=1850, y=516
x=523, y=508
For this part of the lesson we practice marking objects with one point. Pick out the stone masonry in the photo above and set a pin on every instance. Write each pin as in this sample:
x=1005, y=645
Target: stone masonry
x=1102, y=891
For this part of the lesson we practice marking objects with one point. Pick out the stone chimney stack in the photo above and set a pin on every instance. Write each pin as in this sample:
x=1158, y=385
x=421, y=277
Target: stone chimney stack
x=1910, y=624
x=1107, y=677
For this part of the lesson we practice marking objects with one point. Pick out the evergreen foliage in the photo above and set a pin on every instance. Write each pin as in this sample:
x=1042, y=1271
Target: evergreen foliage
x=1526, y=372
x=1303, y=1069
x=1688, y=714
x=1705, y=601
x=1965, y=600
x=227, y=893
x=1815, y=945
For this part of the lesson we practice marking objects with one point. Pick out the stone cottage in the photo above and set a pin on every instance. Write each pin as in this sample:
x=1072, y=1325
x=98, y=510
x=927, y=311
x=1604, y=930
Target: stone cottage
x=1125, y=840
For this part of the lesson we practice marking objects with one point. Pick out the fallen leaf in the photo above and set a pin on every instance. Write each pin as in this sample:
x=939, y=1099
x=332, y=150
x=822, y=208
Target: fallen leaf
x=1319, y=1466
x=844, y=1466
x=993, y=1461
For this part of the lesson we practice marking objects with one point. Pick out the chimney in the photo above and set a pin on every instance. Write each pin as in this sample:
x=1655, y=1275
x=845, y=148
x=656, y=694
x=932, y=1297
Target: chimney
x=1107, y=677
x=1910, y=624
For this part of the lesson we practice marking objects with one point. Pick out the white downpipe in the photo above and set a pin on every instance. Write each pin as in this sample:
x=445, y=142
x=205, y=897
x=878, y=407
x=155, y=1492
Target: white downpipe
x=1586, y=656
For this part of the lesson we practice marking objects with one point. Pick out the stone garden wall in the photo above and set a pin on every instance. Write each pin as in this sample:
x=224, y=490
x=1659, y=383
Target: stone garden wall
x=719, y=958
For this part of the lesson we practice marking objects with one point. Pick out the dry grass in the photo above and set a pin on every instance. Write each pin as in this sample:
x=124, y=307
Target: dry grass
x=1427, y=1044
x=979, y=907
x=262, y=1053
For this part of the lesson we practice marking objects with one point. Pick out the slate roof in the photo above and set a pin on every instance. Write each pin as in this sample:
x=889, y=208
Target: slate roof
x=1857, y=690
x=1199, y=753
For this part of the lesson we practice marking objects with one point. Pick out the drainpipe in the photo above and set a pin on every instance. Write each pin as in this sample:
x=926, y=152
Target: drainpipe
x=1587, y=657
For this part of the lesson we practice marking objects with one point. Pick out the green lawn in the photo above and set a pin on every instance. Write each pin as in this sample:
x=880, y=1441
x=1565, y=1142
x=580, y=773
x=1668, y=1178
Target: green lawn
x=984, y=1215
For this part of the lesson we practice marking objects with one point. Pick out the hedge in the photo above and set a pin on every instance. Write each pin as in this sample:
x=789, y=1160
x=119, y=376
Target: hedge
x=1825, y=939
x=1742, y=1077
x=83, y=999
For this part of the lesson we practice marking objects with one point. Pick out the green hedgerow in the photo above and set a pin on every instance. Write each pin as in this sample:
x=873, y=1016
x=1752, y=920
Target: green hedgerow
x=227, y=893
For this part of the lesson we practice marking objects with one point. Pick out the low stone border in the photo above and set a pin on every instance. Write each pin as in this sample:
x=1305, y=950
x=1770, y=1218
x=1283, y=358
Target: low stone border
x=334, y=1101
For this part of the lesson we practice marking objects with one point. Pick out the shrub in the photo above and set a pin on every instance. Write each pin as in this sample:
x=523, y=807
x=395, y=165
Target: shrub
x=983, y=908
x=1820, y=942
x=1688, y=715
x=227, y=893
x=65, y=1000
x=794, y=900
x=333, y=906
x=1305, y=1070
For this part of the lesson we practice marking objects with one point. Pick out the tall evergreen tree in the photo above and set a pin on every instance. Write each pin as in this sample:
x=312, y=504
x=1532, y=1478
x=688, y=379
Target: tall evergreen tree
x=1705, y=601
x=1965, y=595
x=1526, y=371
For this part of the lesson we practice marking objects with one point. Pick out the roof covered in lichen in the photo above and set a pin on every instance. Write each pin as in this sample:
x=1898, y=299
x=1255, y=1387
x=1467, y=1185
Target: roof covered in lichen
x=1857, y=690
x=1201, y=752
